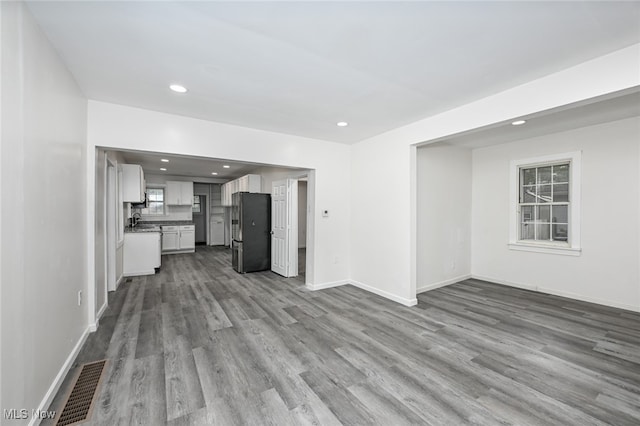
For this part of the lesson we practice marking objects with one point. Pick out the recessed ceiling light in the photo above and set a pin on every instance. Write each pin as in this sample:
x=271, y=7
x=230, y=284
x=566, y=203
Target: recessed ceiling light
x=163, y=169
x=342, y=124
x=226, y=167
x=178, y=88
x=214, y=173
x=518, y=122
x=164, y=160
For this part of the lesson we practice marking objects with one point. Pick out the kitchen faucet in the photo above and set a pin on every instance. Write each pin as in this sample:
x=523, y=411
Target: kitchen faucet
x=135, y=218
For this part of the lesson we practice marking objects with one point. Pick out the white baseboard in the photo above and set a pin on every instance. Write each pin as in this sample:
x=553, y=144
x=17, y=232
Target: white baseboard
x=554, y=292
x=386, y=295
x=119, y=281
x=450, y=281
x=322, y=286
x=139, y=273
x=53, y=389
x=94, y=326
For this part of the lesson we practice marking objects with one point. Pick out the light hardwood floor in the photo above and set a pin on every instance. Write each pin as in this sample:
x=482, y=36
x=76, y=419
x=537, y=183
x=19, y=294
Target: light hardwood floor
x=199, y=344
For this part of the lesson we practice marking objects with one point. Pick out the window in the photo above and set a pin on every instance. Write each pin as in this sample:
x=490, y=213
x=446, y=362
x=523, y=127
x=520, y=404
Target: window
x=546, y=204
x=196, y=204
x=155, y=201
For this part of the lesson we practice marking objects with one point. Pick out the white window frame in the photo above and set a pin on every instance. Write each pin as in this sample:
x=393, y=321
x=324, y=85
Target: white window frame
x=164, y=201
x=572, y=247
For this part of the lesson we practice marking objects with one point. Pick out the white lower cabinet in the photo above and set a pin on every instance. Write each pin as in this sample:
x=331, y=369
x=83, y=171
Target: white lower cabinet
x=188, y=237
x=178, y=239
x=170, y=238
x=141, y=255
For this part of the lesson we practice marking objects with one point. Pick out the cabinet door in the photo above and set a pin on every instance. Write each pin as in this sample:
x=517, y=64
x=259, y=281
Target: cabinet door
x=133, y=183
x=187, y=239
x=186, y=191
x=170, y=240
x=174, y=193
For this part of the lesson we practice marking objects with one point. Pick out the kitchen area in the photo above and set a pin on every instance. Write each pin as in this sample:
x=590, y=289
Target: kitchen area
x=164, y=212
x=158, y=220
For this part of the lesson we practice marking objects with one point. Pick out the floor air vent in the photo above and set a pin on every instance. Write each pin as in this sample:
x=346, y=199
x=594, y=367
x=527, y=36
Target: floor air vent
x=80, y=401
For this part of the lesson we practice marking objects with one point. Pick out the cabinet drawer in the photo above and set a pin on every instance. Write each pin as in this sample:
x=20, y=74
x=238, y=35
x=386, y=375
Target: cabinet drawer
x=188, y=228
x=170, y=229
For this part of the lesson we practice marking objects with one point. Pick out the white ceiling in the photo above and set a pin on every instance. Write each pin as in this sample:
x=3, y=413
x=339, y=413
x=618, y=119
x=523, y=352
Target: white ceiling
x=595, y=111
x=196, y=167
x=300, y=67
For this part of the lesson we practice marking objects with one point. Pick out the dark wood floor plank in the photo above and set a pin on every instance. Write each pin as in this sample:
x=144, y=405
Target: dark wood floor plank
x=199, y=344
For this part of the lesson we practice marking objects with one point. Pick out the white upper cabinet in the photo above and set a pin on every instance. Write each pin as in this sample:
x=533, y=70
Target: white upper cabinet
x=133, y=185
x=179, y=193
x=247, y=183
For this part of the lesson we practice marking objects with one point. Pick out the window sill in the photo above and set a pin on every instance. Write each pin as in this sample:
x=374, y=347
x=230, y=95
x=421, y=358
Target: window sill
x=546, y=248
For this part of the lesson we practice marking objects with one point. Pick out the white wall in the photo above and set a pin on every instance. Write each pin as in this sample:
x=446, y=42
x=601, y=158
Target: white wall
x=121, y=127
x=43, y=235
x=444, y=215
x=607, y=270
x=383, y=169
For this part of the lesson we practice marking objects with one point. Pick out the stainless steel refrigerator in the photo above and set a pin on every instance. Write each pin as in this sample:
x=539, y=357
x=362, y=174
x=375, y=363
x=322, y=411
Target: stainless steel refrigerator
x=251, y=232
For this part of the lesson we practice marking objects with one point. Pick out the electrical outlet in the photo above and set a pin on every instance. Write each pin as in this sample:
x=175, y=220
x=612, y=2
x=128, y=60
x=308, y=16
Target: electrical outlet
x=80, y=298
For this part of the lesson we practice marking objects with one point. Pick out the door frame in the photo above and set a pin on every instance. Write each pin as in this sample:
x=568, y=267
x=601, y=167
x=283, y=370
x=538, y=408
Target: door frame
x=110, y=225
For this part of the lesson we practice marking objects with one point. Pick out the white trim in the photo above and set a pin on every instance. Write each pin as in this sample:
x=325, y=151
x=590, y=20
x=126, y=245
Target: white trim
x=322, y=286
x=147, y=272
x=554, y=292
x=94, y=326
x=573, y=248
x=385, y=294
x=543, y=248
x=444, y=283
x=55, y=386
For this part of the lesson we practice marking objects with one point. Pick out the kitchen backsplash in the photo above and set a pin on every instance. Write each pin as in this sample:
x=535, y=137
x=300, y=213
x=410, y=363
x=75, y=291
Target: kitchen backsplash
x=171, y=213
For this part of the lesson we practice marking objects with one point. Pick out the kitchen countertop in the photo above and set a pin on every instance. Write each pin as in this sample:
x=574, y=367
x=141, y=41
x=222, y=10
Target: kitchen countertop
x=167, y=223
x=142, y=228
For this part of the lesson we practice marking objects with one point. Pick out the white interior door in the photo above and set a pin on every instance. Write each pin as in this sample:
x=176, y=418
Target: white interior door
x=284, y=227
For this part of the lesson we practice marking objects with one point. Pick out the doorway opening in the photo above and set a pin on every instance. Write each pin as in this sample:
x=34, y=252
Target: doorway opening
x=303, y=211
x=200, y=219
x=289, y=217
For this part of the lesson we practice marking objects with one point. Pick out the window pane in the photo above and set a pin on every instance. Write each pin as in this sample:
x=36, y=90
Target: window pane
x=529, y=194
x=561, y=192
x=528, y=176
x=527, y=231
x=560, y=214
x=155, y=194
x=527, y=214
x=542, y=232
x=544, y=214
x=561, y=173
x=544, y=194
x=544, y=175
x=560, y=232
x=156, y=207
